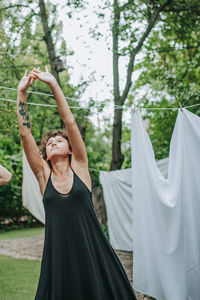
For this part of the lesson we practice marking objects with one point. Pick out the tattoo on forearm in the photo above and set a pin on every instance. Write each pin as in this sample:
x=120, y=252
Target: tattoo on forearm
x=24, y=114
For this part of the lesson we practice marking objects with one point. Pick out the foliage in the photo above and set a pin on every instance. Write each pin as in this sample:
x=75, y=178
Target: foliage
x=167, y=63
x=23, y=47
x=159, y=39
x=126, y=146
x=11, y=194
x=170, y=71
x=105, y=230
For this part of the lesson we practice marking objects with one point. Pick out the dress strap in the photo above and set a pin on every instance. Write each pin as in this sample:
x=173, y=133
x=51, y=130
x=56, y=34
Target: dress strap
x=48, y=181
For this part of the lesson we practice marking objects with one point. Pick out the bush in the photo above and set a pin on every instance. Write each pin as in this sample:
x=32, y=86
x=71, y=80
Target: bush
x=11, y=208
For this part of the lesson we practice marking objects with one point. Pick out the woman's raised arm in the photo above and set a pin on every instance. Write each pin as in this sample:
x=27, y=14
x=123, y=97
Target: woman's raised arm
x=30, y=147
x=76, y=141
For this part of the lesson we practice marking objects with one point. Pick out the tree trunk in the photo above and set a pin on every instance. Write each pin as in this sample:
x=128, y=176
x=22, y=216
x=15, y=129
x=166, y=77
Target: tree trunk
x=49, y=41
x=50, y=46
x=117, y=157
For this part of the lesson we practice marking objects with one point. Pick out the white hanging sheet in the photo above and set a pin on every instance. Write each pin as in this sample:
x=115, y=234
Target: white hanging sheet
x=31, y=196
x=117, y=191
x=166, y=222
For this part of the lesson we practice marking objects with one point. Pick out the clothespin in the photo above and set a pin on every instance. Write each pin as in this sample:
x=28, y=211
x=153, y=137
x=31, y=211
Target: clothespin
x=180, y=106
x=134, y=107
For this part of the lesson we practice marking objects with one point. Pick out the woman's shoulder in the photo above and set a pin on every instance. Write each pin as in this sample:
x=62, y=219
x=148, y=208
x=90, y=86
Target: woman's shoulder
x=82, y=171
x=43, y=176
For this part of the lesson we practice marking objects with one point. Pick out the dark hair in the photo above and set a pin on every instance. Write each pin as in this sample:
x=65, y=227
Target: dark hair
x=44, y=141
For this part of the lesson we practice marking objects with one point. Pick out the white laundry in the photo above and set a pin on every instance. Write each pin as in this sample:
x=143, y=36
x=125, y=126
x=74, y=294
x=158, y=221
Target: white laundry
x=117, y=191
x=166, y=223
x=31, y=196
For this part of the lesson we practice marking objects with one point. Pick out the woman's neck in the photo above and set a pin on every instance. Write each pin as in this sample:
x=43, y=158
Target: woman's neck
x=60, y=166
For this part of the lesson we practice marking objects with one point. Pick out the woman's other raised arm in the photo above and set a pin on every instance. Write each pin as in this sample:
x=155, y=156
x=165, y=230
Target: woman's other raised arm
x=30, y=147
x=76, y=141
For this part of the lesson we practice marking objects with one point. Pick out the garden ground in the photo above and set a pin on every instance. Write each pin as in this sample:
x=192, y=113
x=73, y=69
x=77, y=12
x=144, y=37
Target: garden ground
x=20, y=255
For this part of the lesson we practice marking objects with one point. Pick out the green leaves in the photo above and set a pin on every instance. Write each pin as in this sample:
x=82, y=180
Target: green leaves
x=23, y=47
x=10, y=194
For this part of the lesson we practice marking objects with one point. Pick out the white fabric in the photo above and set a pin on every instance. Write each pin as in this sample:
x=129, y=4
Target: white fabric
x=163, y=166
x=32, y=198
x=117, y=191
x=166, y=222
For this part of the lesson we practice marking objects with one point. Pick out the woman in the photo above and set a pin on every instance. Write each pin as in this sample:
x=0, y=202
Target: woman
x=78, y=261
x=5, y=175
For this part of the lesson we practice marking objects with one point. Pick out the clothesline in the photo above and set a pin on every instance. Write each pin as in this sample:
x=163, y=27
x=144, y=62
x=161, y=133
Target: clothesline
x=38, y=104
x=37, y=93
x=54, y=105
x=114, y=106
x=76, y=99
x=166, y=108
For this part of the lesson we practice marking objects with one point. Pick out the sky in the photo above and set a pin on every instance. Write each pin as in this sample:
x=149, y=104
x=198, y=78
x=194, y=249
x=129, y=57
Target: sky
x=91, y=56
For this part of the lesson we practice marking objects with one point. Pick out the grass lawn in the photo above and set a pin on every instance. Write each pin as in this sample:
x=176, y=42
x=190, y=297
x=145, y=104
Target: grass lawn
x=15, y=234
x=18, y=278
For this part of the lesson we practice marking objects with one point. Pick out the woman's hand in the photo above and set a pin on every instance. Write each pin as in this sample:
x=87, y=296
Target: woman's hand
x=5, y=175
x=43, y=76
x=25, y=82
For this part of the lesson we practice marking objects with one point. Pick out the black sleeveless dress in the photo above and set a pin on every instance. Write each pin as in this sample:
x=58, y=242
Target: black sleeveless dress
x=78, y=262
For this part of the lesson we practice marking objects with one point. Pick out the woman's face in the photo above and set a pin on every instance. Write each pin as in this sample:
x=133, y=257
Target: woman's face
x=58, y=146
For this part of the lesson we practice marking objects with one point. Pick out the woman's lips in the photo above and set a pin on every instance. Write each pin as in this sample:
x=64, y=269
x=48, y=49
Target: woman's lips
x=54, y=148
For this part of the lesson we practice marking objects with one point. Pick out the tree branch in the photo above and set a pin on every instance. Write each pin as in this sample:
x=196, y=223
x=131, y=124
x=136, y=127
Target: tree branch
x=19, y=5
x=188, y=65
x=160, y=50
x=183, y=9
x=21, y=66
x=115, y=34
x=123, y=7
x=137, y=49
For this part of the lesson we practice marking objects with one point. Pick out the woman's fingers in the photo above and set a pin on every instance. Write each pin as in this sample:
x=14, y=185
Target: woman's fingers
x=26, y=72
x=29, y=79
x=36, y=70
x=34, y=74
x=33, y=77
